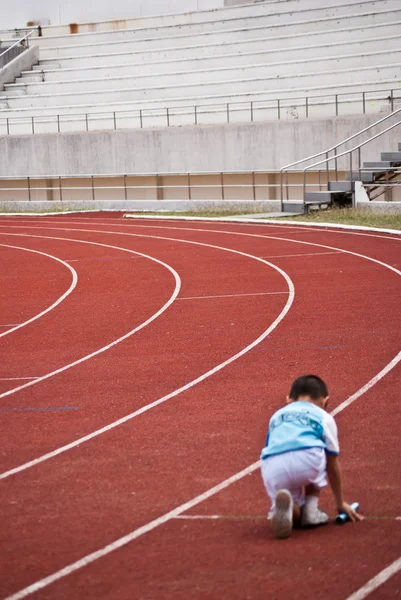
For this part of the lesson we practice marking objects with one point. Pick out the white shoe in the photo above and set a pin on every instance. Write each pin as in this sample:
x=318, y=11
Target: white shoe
x=313, y=516
x=282, y=515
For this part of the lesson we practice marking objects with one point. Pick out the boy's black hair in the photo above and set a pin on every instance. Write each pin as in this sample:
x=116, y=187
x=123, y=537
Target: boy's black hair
x=309, y=385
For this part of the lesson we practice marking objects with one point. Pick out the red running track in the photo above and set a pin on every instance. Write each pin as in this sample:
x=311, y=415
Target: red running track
x=342, y=324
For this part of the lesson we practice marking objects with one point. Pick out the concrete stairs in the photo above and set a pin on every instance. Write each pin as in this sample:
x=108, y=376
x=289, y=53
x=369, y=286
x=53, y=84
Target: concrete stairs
x=340, y=193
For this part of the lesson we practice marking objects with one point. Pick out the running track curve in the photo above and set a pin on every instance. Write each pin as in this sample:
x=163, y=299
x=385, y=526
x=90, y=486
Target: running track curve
x=342, y=325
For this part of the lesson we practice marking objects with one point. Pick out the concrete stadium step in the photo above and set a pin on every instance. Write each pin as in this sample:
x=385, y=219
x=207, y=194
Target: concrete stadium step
x=380, y=165
x=149, y=50
x=321, y=68
x=340, y=186
x=212, y=83
x=198, y=16
x=312, y=55
x=366, y=177
x=318, y=198
x=288, y=28
x=391, y=156
x=239, y=11
x=30, y=77
x=293, y=207
x=259, y=15
x=213, y=100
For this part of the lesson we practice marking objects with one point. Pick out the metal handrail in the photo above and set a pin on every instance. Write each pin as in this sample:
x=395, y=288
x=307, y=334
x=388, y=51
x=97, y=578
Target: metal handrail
x=19, y=41
x=33, y=184
x=325, y=160
x=328, y=158
x=348, y=152
x=198, y=110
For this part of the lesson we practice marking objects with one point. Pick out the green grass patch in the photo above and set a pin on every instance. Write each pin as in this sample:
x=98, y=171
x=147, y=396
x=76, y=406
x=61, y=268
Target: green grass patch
x=349, y=216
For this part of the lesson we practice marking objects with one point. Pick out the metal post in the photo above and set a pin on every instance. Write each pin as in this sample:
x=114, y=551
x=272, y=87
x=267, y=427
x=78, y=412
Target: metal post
x=359, y=162
x=392, y=100
x=93, y=189
x=168, y=117
x=336, y=105
x=86, y=121
x=60, y=188
x=351, y=177
x=253, y=186
x=125, y=187
x=327, y=168
x=222, y=186
x=364, y=102
x=286, y=185
x=228, y=113
x=189, y=187
x=58, y=123
x=140, y=118
x=196, y=115
x=307, y=107
x=278, y=110
x=336, y=163
x=115, y=120
x=304, y=187
x=251, y=111
x=8, y=126
x=33, y=126
x=281, y=191
x=29, y=188
x=320, y=180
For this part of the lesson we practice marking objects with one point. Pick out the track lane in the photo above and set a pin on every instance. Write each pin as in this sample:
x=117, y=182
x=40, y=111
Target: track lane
x=114, y=452
x=83, y=323
x=21, y=282
x=99, y=579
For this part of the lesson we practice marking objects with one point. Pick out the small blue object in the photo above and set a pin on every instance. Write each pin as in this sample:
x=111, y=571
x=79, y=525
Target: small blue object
x=343, y=517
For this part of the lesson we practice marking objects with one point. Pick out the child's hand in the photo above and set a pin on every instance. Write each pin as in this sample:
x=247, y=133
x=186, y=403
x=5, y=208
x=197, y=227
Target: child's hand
x=353, y=515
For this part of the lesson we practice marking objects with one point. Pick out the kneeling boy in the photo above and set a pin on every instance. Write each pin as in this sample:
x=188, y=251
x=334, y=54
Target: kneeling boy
x=301, y=448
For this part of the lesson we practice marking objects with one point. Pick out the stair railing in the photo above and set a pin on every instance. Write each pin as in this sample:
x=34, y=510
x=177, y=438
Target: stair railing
x=9, y=53
x=284, y=171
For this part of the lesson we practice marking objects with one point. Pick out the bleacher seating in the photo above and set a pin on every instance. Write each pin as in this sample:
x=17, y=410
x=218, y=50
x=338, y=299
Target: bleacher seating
x=273, y=54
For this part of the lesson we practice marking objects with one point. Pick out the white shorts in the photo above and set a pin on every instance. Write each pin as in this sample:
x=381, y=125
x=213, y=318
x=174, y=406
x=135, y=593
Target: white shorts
x=292, y=471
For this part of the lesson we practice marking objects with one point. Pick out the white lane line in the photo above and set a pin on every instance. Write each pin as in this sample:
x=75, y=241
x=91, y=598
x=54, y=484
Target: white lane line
x=307, y=254
x=10, y=325
x=382, y=373
x=118, y=340
x=57, y=302
x=196, y=517
x=90, y=558
x=123, y=541
x=247, y=517
x=377, y=581
x=172, y=514
x=16, y=378
x=176, y=392
x=299, y=228
x=232, y=295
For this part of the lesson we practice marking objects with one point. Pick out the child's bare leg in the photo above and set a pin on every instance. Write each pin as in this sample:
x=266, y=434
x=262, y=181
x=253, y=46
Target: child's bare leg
x=311, y=490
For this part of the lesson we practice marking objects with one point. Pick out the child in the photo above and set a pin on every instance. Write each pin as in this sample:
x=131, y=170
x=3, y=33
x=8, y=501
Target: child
x=301, y=448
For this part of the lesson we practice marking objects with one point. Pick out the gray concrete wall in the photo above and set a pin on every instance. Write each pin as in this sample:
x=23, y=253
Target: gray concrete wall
x=141, y=205
x=22, y=62
x=235, y=147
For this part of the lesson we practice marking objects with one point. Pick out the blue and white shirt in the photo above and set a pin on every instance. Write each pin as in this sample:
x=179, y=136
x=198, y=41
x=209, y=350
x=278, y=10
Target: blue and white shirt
x=300, y=425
